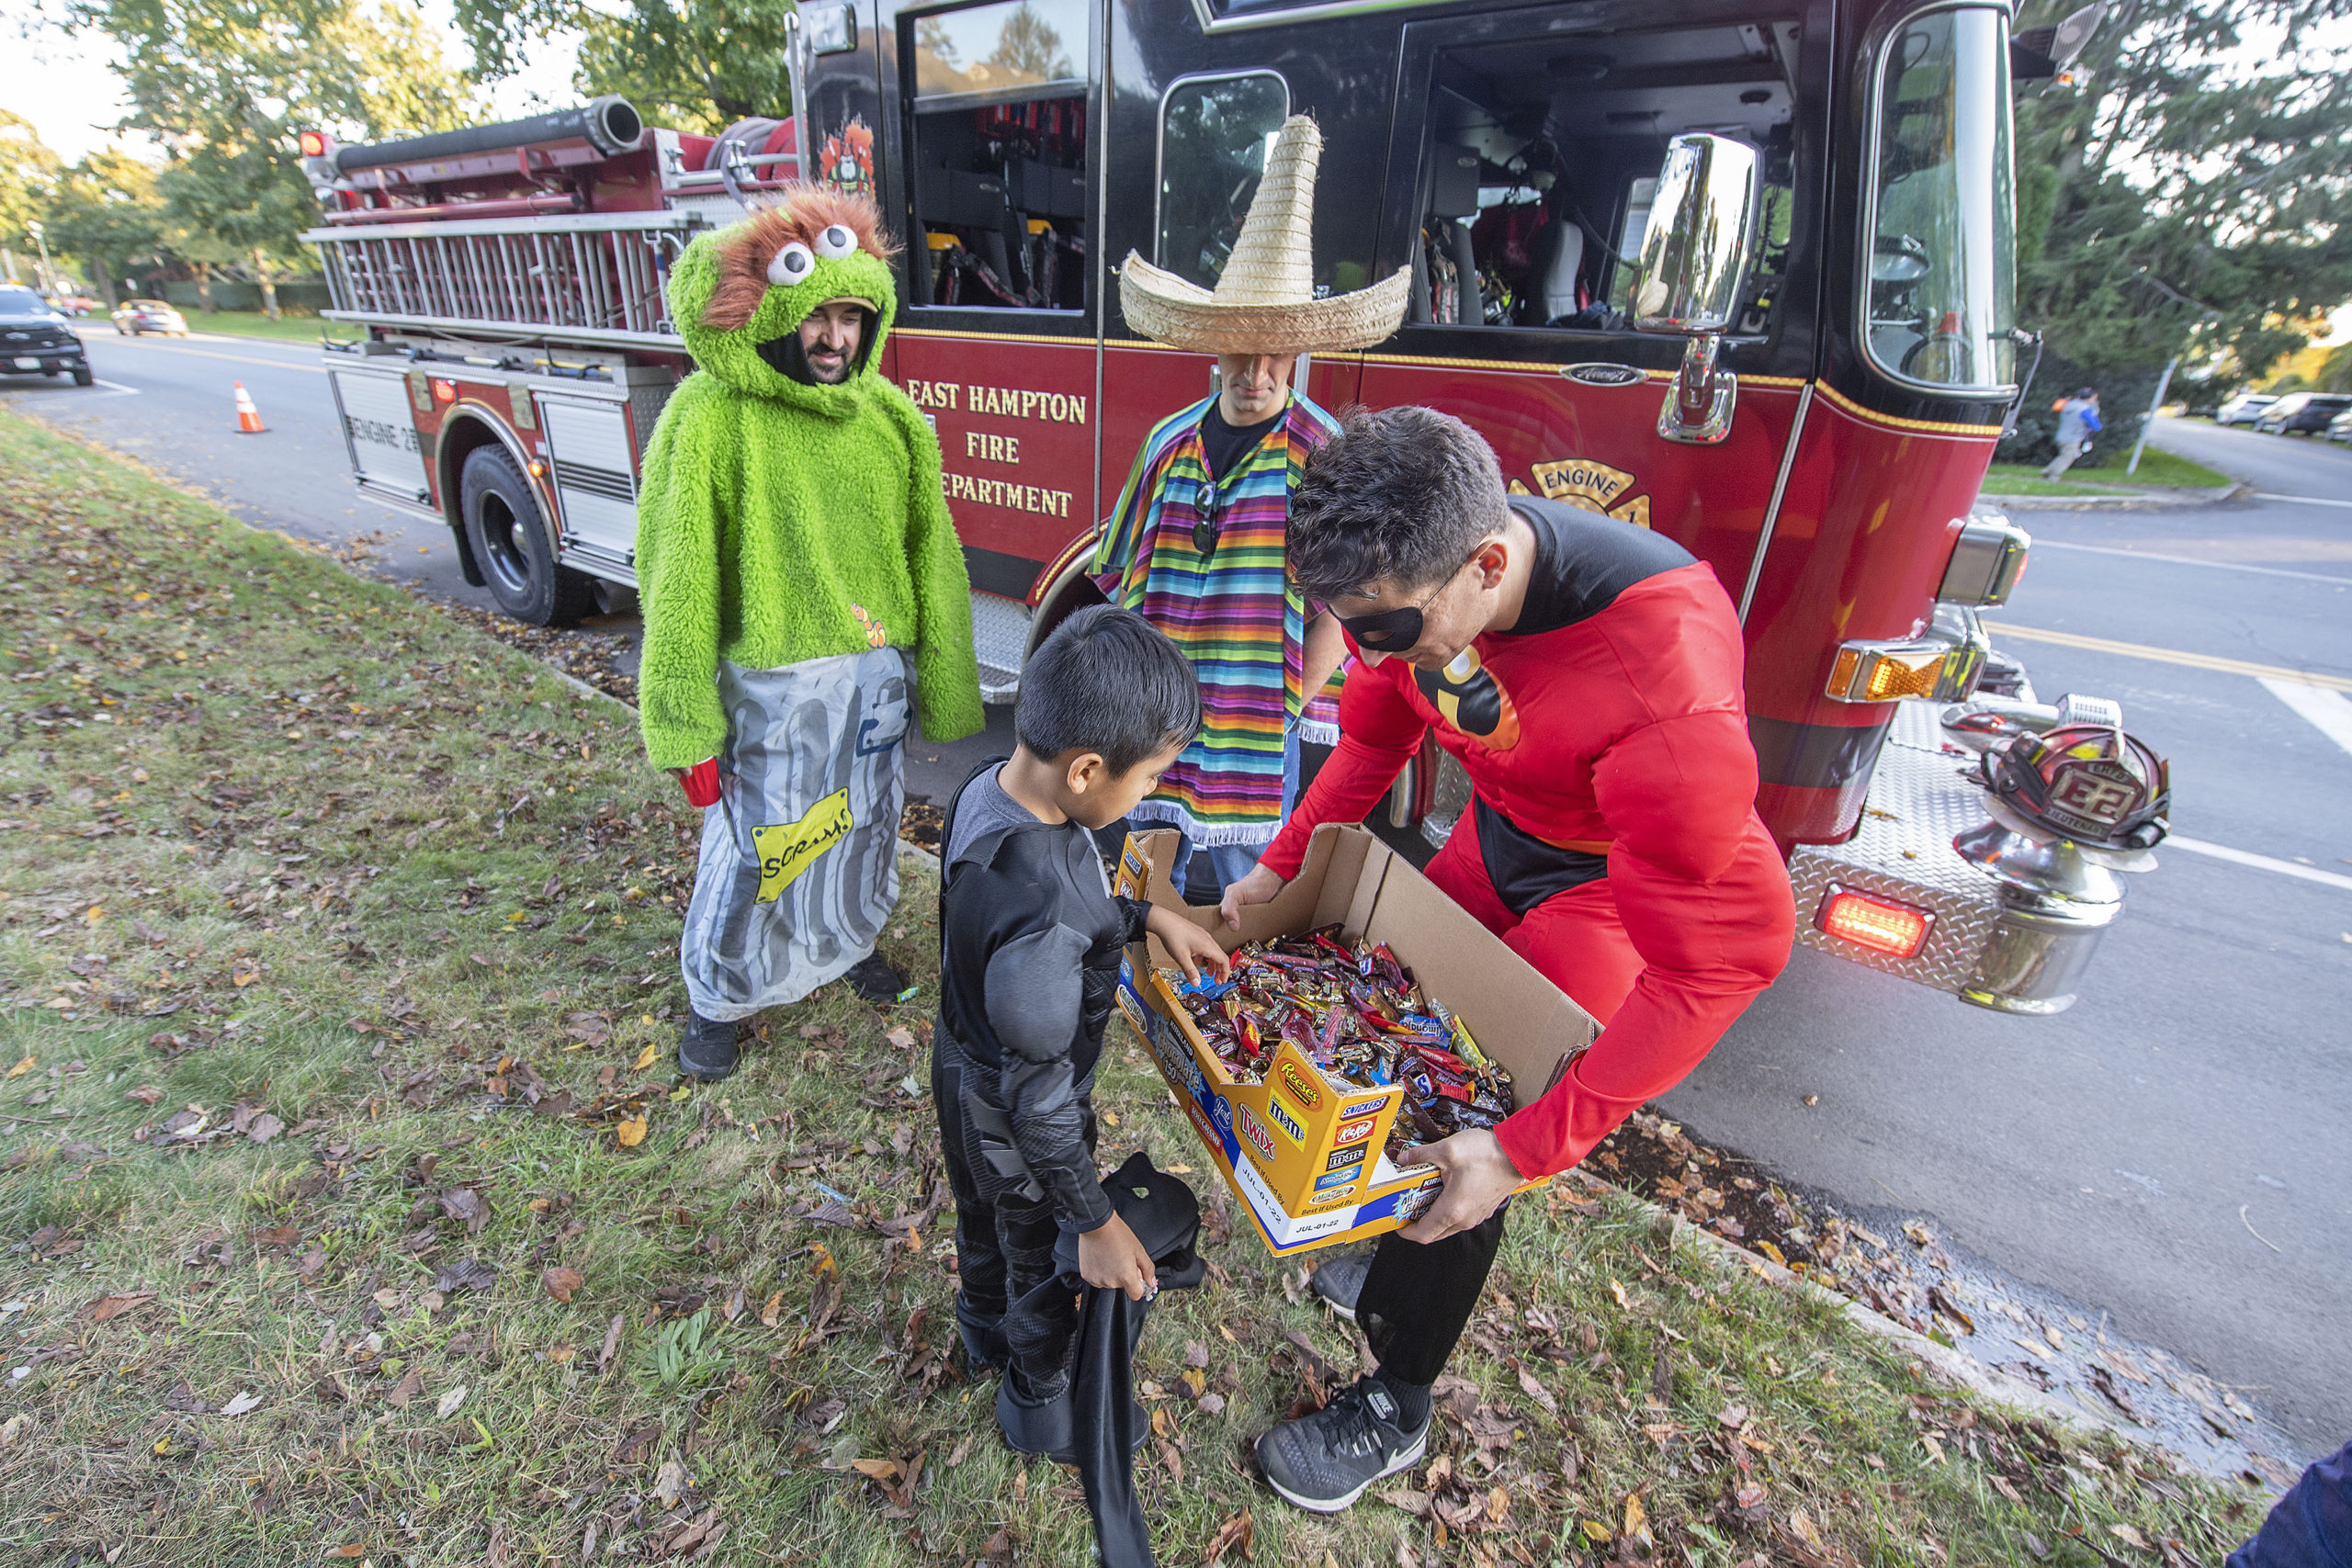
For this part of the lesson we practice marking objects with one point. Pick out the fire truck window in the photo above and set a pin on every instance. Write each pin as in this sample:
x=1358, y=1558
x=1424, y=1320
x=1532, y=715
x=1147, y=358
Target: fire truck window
x=1942, y=257
x=1000, y=99
x=1543, y=157
x=1213, y=133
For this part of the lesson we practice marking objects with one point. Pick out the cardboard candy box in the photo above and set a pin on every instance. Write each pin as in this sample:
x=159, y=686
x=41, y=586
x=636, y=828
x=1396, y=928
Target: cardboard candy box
x=1308, y=1157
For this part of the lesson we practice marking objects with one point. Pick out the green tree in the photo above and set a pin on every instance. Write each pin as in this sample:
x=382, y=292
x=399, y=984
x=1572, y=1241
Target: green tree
x=2190, y=194
x=28, y=174
x=106, y=212
x=226, y=86
x=695, y=64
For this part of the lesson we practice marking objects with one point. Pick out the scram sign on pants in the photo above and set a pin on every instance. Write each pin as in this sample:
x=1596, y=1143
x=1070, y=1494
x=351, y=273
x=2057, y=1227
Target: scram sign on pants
x=800, y=858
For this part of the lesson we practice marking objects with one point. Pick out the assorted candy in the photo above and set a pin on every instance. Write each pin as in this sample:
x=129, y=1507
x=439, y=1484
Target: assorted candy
x=1356, y=1013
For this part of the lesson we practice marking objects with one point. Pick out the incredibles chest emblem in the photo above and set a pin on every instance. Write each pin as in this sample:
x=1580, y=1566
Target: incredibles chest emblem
x=788, y=849
x=1467, y=697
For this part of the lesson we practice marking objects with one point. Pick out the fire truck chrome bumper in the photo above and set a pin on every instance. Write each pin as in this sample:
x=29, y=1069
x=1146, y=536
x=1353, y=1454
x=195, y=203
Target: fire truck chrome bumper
x=2009, y=932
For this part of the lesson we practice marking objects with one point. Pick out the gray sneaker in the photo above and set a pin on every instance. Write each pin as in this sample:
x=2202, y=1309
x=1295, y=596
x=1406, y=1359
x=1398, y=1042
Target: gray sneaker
x=1337, y=1281
x=708, y=1048
x=1323, y=1462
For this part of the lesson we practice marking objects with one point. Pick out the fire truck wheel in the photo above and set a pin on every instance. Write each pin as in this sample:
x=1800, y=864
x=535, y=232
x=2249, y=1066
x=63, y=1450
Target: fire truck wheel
x=512, y=545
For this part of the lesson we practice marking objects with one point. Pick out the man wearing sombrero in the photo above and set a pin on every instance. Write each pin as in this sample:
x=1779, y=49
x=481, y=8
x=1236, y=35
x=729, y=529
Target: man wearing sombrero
x=1197, y=542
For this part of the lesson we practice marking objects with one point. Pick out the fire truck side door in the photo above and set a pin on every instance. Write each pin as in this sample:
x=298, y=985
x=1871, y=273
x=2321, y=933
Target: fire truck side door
x=380, y=432
x=998, y=192
x=595, y=478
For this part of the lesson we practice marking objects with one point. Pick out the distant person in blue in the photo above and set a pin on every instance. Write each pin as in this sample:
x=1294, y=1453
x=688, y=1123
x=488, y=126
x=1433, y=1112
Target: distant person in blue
x=2078, y=423
x=2311, y=1525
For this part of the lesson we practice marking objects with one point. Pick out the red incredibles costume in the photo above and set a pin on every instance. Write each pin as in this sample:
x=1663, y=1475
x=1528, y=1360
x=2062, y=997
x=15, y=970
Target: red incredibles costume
x=1612, y=842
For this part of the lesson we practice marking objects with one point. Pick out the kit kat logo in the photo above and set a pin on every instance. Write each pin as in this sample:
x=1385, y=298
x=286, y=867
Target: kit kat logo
x=1355, y=1132
x=1253, y=1133
x=1307, y=1094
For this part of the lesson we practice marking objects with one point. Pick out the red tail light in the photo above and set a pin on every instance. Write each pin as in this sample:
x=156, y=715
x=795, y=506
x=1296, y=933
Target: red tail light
x=1882, y=925
x=314, y=144
x=444, y=391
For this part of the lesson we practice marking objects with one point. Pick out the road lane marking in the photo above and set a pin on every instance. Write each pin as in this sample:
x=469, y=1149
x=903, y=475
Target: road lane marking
x=2259, y=863
x=2299, y=500
x=2170, y=656
x=232, y=358
x=2329, y=710
x=2192, y=560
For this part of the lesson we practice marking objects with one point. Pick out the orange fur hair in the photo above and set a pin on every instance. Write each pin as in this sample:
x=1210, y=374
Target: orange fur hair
x=801, y=212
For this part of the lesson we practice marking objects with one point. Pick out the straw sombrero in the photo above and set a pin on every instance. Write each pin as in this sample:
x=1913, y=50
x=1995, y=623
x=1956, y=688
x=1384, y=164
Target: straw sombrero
x=1264, y=301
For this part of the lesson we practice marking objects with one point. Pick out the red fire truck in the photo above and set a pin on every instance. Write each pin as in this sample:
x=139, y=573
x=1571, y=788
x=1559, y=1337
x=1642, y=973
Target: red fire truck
x=1741, y=273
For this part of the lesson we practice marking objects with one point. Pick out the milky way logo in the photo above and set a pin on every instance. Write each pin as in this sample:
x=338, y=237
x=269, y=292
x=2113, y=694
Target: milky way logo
x=1469, y=698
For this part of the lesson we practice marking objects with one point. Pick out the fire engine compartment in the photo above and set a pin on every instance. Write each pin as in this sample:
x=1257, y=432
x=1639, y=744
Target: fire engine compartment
x=1542, y=155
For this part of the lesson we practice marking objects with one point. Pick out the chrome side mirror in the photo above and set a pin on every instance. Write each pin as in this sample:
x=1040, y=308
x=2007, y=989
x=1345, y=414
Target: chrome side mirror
x=1694, y=257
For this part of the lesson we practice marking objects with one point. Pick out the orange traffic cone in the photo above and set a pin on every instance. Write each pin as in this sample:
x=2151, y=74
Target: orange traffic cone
x=248, y=417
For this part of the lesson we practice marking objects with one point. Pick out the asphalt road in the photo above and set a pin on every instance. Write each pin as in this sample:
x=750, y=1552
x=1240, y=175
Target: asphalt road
x=2174, y=1151
x=2178, y=1148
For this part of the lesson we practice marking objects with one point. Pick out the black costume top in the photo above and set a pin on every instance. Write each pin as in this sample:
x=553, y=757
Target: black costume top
x=1030, y=941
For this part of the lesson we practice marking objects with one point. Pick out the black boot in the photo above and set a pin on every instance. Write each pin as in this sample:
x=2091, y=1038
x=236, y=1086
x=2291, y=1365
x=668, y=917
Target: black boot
x=878, y=980
x=708, y=1049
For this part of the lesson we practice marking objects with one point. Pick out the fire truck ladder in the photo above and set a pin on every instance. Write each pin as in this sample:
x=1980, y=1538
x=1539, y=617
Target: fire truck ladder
x=592, y=278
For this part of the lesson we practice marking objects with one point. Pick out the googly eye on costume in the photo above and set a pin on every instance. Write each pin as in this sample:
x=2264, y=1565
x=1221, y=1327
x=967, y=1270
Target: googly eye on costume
x=835, y=242
x=792, y=264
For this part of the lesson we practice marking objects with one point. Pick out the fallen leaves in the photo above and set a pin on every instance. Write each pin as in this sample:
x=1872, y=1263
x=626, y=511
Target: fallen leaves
x=629, y=1130
x=450, y=1402
x=107, y=1308
x=1234, y=1535
x=241, y=1401
x=896, y=1478
x=560, y=1282
x=467, y=1274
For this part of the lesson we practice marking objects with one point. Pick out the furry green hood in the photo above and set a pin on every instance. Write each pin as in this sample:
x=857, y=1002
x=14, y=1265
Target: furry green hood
x=735, y=301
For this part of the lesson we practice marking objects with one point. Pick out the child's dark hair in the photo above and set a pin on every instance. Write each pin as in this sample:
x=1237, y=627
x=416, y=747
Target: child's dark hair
x=1106, y=681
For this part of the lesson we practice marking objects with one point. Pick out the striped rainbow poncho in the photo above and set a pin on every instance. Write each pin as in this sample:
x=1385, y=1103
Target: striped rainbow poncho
x=1234, y=613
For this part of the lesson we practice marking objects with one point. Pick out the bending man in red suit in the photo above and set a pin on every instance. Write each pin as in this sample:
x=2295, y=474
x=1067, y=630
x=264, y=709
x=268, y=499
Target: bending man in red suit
x=1586, y=673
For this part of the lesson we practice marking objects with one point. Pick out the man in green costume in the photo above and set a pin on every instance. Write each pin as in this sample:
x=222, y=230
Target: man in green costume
x=794, y=557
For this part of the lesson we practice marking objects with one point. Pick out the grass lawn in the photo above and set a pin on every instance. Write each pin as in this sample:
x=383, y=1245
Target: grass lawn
x=253, y=323
x=350, y=1207
x=2157, y=469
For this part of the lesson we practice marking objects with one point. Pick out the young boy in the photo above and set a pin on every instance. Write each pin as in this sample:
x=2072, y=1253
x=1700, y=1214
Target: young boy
x=1030, y=938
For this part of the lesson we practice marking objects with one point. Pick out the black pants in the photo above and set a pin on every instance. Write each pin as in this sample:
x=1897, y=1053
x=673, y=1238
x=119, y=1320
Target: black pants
x=1004, y=1240
x=1418, y=1298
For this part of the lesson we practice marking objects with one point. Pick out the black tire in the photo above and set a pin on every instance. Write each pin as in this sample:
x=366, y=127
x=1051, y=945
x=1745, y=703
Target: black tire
x=84, y=376
x=513, y=546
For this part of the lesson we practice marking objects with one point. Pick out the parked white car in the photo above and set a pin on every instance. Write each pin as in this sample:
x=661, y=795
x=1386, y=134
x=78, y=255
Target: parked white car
x=2244, y=409
x=137, y=316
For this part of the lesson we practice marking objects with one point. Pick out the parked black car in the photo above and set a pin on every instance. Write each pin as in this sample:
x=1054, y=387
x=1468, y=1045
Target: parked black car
x=35, y=337
x=2305, y=413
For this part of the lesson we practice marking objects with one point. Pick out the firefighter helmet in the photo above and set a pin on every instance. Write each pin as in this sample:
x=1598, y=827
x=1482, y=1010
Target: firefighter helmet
x=2089, y=782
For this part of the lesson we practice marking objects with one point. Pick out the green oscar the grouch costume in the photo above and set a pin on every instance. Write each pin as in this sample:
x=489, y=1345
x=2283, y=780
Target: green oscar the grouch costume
x=795, y=557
